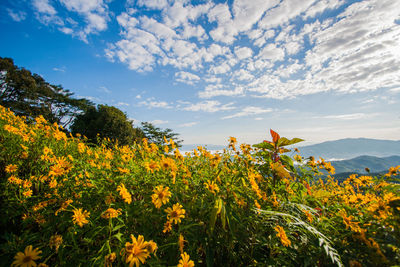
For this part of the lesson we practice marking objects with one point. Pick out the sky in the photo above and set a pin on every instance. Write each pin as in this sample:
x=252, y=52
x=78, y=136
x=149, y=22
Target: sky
x=317, y=70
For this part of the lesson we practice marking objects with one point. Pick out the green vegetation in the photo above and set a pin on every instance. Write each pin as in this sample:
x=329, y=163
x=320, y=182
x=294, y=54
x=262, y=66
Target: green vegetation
x=66, y=203
x=29, y=95
x=106, y=122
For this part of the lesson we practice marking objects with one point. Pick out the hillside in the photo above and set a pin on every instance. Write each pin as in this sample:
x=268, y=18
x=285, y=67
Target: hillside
x=358, y=164
x=351, y=148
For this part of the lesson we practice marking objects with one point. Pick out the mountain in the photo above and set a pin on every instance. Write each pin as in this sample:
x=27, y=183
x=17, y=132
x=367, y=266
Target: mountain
x=358, y=164
x=351, y=147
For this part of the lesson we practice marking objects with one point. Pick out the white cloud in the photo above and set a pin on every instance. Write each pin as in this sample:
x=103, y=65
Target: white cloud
x=213, y=91
x=243, y=75
x=153, y=4
x=356, y=51
x=43, y=6
x=209, y=106
x=272, y=52
x=62, y=69
x=243, y=52
x=321, y=6
x=283, y=13
x=188, y=124
x=248, y=111
x=94, y=13
x=121, y=104
x=353, y=116
x=223, y=68
x=66, y=30
x=16, y=15
x=186, y=77
x=212, y=79
x=158, y=122
x=151, y=103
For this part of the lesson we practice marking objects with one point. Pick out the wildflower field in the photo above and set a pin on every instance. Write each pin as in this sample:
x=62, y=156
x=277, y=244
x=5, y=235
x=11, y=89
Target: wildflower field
x=65, y=202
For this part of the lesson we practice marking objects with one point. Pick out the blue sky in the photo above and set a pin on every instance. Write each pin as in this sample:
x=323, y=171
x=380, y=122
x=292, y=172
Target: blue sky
x=318, y=70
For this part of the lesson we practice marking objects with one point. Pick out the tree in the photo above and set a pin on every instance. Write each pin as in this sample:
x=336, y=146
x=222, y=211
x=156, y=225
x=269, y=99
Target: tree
x=156, y=135
x=107, y=122
x=29, y=95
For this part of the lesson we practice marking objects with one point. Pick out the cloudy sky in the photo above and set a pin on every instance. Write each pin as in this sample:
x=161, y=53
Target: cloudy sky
x=318, y=70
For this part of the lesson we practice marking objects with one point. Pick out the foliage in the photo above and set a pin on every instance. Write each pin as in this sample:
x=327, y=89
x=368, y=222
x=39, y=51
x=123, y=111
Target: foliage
x=65, y=203
x=30, y=95
x=159, y=136
x=106, y=122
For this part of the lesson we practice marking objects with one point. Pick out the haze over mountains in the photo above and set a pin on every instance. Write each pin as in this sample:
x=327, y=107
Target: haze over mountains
x=358, y=164
x=352, y=147
x=351, y=155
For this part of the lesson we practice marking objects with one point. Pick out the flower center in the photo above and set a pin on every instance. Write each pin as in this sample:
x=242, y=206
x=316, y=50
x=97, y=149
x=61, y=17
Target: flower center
x=27, y=259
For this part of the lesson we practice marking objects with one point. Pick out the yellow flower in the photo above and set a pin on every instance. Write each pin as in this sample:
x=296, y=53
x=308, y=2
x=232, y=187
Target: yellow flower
x=81, y=147
x=212, y=187
x=11, y=168
x=161, y=196
x=282, y=235
x=167, y=227
x=168, y=164
x=176, y=213
x=297, y=158
x=27, y=193
x=123, y=170
x=55, y=241
x=56, y=170
x=181, y=242
x=80, y=217
x=364, y=180
x=232, y=142
x=27, y=258
x=64, y=205
x=152, y=246
x=151, y=166
x=347, y=220
x=109, y=259
x=111, y=213
x=328, y=167
x=185, y=261
x=309, y=216
x=136, y=251
x=126, y=196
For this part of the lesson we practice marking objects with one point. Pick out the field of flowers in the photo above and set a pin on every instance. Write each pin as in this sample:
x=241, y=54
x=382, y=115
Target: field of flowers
x=65, y=202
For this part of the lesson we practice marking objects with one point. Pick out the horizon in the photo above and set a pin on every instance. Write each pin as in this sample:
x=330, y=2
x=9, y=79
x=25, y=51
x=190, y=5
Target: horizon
x=317, y=70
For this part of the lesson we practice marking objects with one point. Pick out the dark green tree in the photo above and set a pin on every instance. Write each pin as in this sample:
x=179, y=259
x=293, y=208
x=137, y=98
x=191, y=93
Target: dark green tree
x=106, y=122
x=156, y=135
x=29, y=95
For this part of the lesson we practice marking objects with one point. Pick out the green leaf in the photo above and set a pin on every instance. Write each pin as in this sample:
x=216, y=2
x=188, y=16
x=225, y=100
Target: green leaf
x=117, y=227
x=118, y=236
x=295, y=140
x=223, y=216
x=265, y=145
x=283, y=141
x=214, y=213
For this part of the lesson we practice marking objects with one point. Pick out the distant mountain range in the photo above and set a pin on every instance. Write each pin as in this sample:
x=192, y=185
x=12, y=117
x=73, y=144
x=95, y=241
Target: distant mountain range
x=333, y=150
x=351, y=148
x=358, y=164
x=355, y=154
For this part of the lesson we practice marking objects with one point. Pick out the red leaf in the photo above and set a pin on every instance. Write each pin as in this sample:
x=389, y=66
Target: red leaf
x=275, y=136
